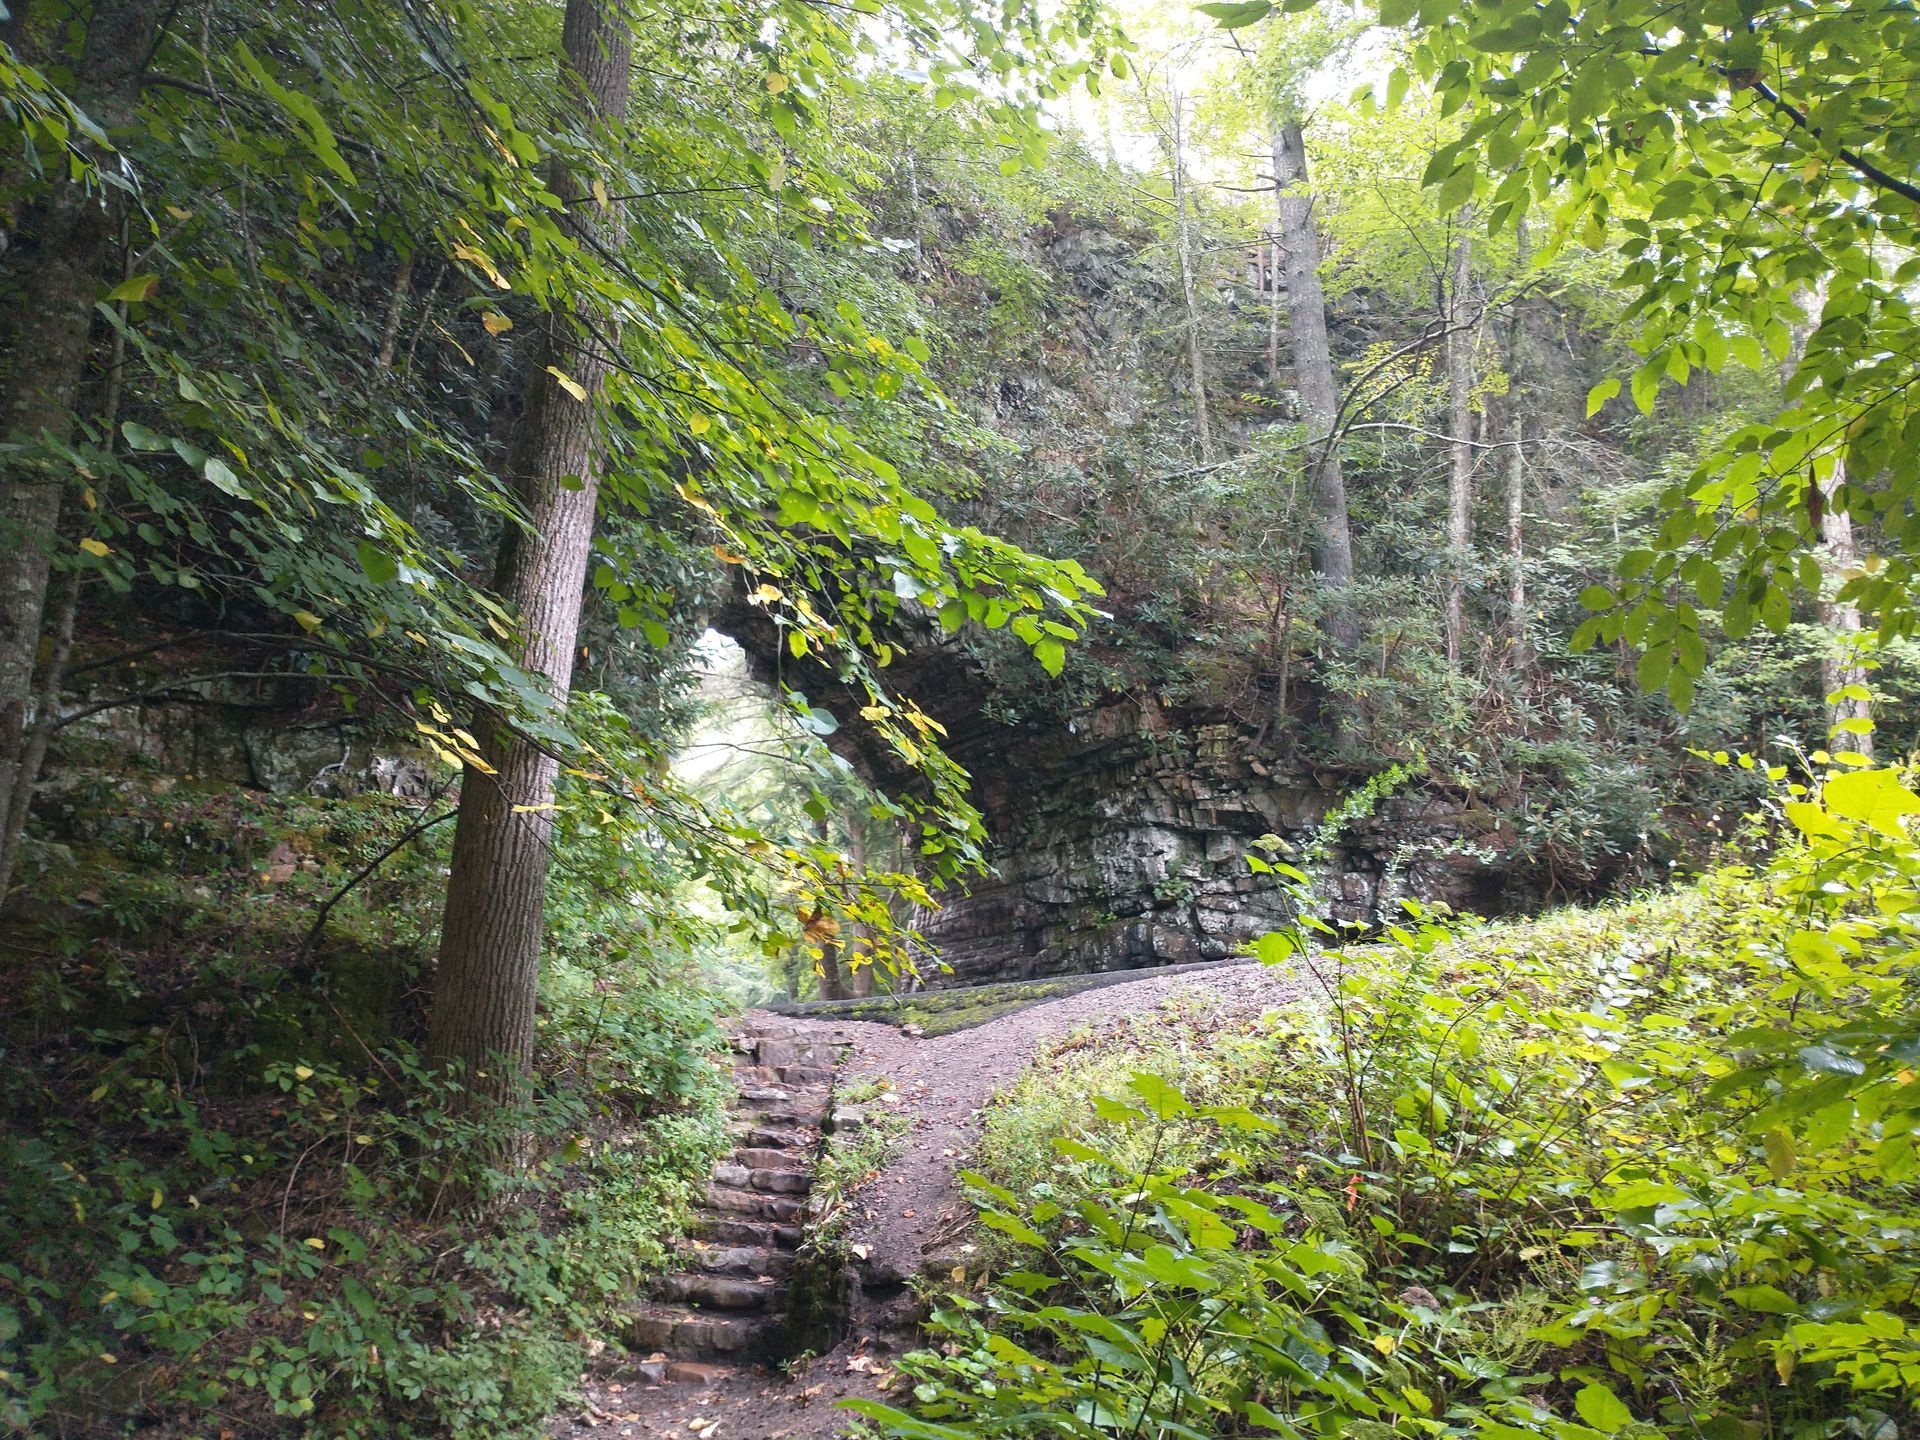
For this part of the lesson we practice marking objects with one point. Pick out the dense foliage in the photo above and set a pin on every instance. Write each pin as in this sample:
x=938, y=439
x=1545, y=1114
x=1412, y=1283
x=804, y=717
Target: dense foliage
x=1528, y=426
x=1643, y=1171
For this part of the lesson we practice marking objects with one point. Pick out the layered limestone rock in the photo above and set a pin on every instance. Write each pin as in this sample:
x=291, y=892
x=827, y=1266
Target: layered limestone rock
x=1122, y=842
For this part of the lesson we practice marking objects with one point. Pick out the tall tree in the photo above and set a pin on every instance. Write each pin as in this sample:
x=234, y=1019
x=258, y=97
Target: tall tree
x=1331, y=544
x=1460, y=342
x=1189, y=286
x=487, y=980
x=52, y=275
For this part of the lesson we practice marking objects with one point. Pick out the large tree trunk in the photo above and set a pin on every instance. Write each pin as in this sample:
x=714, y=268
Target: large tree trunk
x=1189, y=286
x=1460, y=343
x=487, y=980
x=54, y=270
x=1331, y=543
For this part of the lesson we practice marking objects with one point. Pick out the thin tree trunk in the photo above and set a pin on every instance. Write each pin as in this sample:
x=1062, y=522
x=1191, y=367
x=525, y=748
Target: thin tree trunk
x=1460, y=343
x=396, y=309
x=1519, y=388
x=1517, y=536
x=1189, y=288
x=859, y=977
x=487, y=980
x=52, y=275
x=1275, y=292
x=1842, y=669
x=1331, y=543
x=1840, y=666
x=832, y=978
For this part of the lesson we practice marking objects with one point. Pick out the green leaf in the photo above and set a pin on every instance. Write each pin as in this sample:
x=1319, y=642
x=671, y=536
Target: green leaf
x=1602, y=1409
x=1874, y=798
x=380, y=567
x=1051, y=654
x=1236, y=14
x=220, y=475
x=1600, y=394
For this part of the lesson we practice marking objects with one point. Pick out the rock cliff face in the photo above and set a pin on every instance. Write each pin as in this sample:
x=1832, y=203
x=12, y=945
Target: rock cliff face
x=1122, y=843
x=281, y=735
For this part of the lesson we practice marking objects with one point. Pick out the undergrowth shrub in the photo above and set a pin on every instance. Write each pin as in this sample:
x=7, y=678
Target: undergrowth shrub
x=1647, y=1171
x=224, y=1165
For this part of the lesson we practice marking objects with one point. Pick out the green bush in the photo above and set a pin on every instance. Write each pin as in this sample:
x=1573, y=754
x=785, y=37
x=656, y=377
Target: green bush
x=224, y=1169
x=1643, y=1172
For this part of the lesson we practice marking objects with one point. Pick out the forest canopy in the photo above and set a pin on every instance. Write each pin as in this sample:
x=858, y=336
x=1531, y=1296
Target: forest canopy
x=1444, y=453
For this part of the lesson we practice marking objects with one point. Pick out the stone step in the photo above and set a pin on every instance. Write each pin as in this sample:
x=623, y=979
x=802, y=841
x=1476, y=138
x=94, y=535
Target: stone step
x=784, y=1112
x=781, y=1181
x=758, y=1094
x=695, y=1334
x=757, y=1204
x=756, y=1157
x=740, y=1230
x=718, y=1292
x=741, y=1259
x=668, y=1372
x=784, y=1076
x=774, y=1137
x=796, y=1052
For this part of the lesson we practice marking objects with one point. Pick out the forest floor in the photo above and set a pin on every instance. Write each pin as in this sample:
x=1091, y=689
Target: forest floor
x=910, y=1219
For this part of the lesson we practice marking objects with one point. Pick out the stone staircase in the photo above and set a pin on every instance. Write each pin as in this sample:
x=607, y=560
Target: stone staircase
x=729, y=1305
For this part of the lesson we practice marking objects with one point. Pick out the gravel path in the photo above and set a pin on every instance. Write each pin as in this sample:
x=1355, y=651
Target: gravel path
x=912, y=1214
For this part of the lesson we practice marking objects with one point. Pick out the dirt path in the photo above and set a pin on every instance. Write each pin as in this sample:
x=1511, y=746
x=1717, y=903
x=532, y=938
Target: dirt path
x=912, y=1214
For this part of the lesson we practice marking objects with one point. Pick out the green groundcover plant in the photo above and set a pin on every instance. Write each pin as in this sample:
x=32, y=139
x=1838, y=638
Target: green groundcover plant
x=1645, y=1171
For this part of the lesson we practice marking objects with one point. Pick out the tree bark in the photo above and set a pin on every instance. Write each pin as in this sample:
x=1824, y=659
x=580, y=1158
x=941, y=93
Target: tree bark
x=52, y=274
x=1331, y=543
x=1517, y=536
x=1275, y=291
x=1842, y=668
x=487, y=981
x=1189, y=287
x=1460, y=343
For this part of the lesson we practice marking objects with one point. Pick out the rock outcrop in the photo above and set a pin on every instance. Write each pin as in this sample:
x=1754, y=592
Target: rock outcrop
x=1122, y=843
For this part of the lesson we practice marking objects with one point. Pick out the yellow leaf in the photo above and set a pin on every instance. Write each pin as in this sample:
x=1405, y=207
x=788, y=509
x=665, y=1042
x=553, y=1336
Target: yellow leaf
x=308, y=620
x=177, y=213
x=1385, y=1344
x=600, y=192
x=135, y=287
x=496, y=323
x=1783, y=1364
x=568, y=383
x=765, y=595
x=776, y=82
x=303, y=1072
x=315, y=1244
x=94, y=547
x=88, y=498
x=699, y=424
x=157, y=1199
